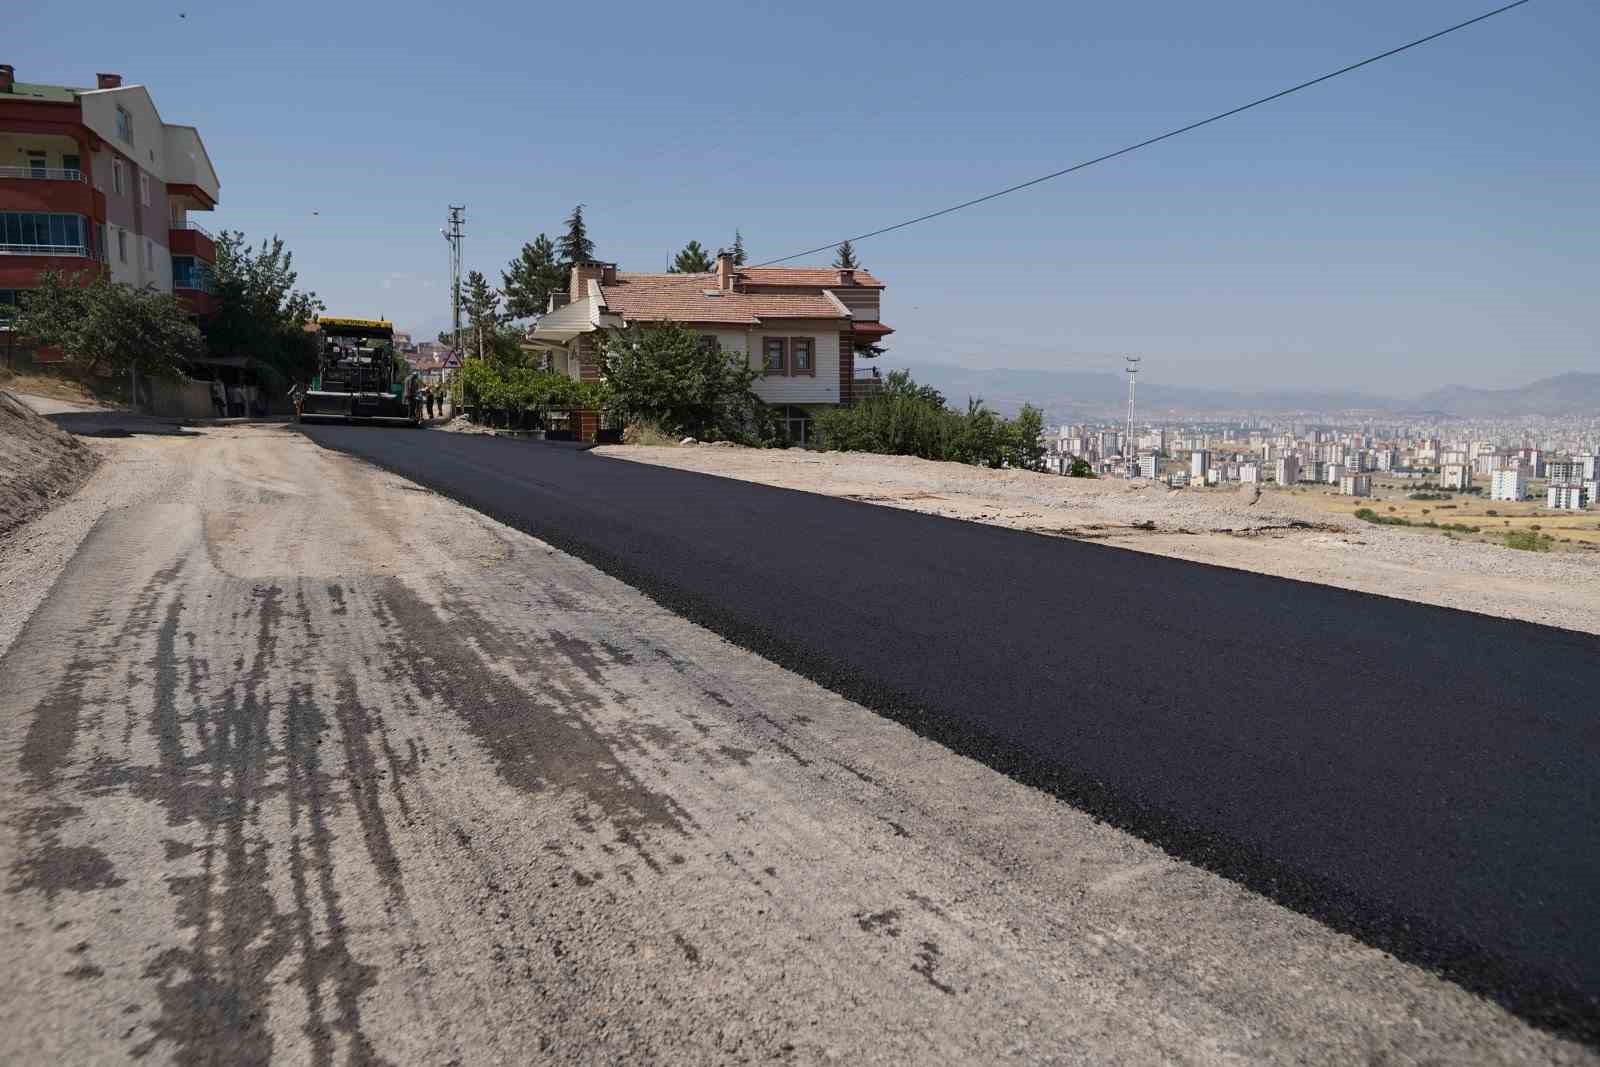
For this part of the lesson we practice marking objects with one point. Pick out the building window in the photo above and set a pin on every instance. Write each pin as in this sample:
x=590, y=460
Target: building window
x=24, y=230
x=144, y=188
x=775, y=351
x=149, y=254
x=72, y=164
x=796, y=424
x=124, y=125
x=101, y=248
x=708, y=343
x=800, y=356
x=122, y=246
x=37, y=164
x=116, y=176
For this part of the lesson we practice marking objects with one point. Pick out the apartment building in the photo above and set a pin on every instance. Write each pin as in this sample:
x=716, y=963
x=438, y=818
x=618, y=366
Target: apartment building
x=1569, y=497
x=1149, y=465
x=1455, y=476
x=1288, y=470
x=1199, y=464
x=1509, y=484
x=95, y=178
x=1355, y=485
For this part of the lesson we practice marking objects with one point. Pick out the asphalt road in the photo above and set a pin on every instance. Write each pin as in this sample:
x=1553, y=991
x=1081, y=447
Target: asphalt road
x=1422, y=778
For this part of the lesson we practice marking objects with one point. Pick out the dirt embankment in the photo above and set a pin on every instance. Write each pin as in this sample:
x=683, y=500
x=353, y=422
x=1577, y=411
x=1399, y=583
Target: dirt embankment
x=39, y=463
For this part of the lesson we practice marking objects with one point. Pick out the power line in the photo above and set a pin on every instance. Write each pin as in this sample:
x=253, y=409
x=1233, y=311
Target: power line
x=1146, y=143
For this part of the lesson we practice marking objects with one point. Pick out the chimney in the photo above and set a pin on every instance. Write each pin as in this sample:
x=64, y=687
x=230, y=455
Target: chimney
x=108, y=81
x=725, y=271
x=587, y=271
x=847, y=276
x=8, y=77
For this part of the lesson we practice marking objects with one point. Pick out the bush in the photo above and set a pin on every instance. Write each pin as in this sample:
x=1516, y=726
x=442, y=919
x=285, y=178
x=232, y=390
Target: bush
x=1528, y=541
x=907, y=419
x=665, y=374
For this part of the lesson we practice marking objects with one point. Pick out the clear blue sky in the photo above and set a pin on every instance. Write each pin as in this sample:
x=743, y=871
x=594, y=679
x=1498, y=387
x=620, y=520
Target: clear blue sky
x=1430, y=219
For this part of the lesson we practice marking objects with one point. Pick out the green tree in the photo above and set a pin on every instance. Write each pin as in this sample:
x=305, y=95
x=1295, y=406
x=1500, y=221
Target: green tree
x=530, y=279
x=1080, y=468
x=664, y=374
x=481, y=304
x=575, y=245
x=846, y=257
x=692, y=260
x=107, y=326
x=260, y=312
x=738, y=249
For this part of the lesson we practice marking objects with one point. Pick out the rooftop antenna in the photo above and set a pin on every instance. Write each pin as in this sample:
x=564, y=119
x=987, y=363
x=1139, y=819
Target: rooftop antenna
x=1130, y=452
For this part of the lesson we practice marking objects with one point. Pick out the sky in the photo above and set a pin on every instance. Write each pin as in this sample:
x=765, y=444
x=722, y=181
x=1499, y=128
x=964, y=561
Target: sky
x=1428, y=220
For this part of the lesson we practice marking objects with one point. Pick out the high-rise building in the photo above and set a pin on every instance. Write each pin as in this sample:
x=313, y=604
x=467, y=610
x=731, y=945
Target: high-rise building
x=1149, y=465
x=1568, y=497
x=1455, y=476
x=94, y=178
x=1199, y=464
x=1356, y=485
x=1288, y=470
x=1509, y=484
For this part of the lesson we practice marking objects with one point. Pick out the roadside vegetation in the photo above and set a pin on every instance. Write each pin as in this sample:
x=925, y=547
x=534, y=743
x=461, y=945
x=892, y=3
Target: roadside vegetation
x=106, y=328
x=1368, y=515
x=664, y=376
x=907, y=419
x=1529, y=540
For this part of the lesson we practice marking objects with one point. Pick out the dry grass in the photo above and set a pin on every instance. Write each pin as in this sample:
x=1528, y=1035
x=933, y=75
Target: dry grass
x=59, y=386
x=1570, y=530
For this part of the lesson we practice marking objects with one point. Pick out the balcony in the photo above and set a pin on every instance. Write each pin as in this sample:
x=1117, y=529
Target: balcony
x=191, y=239
x=81, y=251
x=45, y=174
x=45, y=189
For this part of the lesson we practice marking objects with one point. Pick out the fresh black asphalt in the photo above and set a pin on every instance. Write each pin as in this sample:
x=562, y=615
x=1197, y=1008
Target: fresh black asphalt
x=1425, y=779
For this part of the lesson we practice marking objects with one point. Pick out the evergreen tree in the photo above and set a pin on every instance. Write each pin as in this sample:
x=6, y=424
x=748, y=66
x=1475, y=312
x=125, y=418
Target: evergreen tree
x=692, y=260
x=846, y=259
x=738, y=249
x=575, y=246
x=482, y=306
x=530, y=279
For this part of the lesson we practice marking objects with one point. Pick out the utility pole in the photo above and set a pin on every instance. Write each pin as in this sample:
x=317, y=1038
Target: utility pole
x=1129, y=449
x=453, y=233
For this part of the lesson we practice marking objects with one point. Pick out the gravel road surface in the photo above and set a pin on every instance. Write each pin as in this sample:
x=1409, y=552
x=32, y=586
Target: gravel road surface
x=1418, y=776
x=301, y=761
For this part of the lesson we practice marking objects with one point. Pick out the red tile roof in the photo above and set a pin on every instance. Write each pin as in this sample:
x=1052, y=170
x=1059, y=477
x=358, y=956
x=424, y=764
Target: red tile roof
x=823, y=277
x=684, y=298
x=871, y=329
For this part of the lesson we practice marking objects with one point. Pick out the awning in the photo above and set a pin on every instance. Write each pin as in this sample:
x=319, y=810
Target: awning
x=870, y=329
x=560, y=326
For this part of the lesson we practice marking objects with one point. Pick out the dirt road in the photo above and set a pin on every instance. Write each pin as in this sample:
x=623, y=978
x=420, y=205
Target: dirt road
x=300, y=761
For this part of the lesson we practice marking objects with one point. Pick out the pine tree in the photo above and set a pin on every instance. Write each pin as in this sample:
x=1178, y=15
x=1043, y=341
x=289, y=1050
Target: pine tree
x=846, y=259
x=738, y=249
x=692, y=260
x=575, y=246
x=529, y=279
x=482, y=306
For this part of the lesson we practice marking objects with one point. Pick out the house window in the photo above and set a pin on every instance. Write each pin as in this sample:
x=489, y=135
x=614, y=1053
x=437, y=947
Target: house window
x=122, y=246
x=22, y=230
x=116, y=176
x=124, y=125
x=72, y=164
x=36, y=164
x=708, y=342
x=776, y=351
x=800, y=356
x=796, y=423
x=144, y=188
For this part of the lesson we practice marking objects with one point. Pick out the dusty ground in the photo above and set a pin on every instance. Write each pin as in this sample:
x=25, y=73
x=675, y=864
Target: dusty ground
x=299, y=760
x=39, y=464
x=1286, y=534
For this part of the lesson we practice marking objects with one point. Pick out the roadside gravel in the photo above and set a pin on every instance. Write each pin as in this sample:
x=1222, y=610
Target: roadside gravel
x=1277, y=535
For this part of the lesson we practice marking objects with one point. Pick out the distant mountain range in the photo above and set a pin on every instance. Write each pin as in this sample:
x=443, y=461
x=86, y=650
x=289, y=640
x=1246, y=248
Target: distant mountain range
x=1068, y=394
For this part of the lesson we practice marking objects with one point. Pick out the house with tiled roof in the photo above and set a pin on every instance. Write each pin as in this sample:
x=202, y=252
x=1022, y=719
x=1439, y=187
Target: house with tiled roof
x=801, y=325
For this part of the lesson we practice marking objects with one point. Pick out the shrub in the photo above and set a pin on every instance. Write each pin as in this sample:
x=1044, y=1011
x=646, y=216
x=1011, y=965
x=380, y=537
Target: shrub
x=1528, y=541
x=1491, y=511
x=666, y=375
x=907, y=419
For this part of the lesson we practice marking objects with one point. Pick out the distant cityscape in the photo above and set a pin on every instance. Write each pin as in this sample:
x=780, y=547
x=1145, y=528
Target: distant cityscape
x=1502, y=458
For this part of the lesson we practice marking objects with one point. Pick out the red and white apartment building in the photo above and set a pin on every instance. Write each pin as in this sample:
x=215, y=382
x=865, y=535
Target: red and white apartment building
x=93, y=178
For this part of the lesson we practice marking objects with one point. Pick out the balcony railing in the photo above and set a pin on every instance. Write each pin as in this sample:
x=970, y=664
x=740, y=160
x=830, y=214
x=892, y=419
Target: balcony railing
x=44, y=250
x=196, y=227
x=194, y=283
x=43, y=174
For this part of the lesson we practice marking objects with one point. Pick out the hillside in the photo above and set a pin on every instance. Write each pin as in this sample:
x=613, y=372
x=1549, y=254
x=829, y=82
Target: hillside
x=1566, y=394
